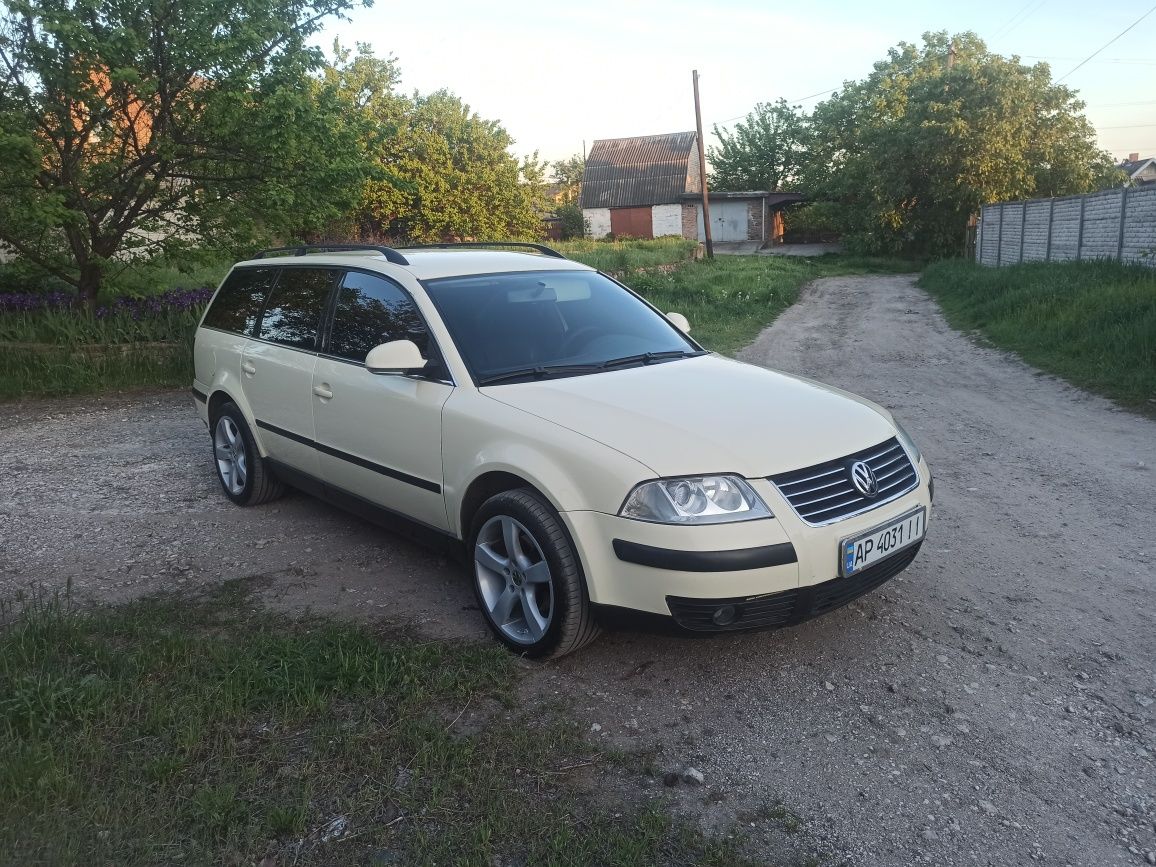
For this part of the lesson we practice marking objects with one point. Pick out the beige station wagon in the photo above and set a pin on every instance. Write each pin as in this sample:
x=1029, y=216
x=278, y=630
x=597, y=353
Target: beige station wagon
x=591, y=457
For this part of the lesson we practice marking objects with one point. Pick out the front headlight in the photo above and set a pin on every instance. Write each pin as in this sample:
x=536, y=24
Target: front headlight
x=908, y=443
x=694, y=500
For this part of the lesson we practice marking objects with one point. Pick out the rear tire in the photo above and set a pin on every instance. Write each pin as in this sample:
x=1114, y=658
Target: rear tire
x=527, y=577
x=245, y=477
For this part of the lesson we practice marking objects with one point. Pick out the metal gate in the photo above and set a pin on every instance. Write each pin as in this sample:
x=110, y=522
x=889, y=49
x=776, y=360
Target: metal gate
x=728, y=221
x=632, y=222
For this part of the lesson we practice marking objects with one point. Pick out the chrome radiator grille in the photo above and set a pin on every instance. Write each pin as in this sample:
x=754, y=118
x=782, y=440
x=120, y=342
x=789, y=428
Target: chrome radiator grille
x=825, y=493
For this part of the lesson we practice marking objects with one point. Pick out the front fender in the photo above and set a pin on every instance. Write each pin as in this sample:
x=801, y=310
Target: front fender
x=574, y=472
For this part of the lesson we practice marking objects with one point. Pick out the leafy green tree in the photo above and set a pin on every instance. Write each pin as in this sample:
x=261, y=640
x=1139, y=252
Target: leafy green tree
x=766, y=151
x=916, y=147
x=132, y=125
x=441, y=171
x=568, y=175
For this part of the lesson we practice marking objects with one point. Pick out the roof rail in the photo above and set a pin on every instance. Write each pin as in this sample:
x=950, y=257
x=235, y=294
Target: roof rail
x=540, y=248
x=302, y=249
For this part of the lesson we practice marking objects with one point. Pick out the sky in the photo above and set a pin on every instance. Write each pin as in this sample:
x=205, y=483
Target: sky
x=559, y=74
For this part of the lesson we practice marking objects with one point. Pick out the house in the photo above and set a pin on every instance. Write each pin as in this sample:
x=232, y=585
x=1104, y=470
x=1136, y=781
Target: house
x=1139, y=171
x=650, y=186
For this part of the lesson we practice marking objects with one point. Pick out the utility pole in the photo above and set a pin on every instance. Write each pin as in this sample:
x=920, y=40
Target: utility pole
x=702, y=171
x=951, y=55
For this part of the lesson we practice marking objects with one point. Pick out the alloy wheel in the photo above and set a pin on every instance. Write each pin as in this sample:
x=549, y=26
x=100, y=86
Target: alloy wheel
x=229, y=449
x=514, y=579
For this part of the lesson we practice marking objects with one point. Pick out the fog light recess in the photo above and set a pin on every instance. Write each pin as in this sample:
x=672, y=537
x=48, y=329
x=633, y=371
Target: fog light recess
x=725, y=615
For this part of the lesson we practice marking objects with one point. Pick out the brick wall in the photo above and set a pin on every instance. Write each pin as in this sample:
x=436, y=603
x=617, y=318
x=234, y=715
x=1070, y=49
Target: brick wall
x=690, y=220
x=1112, y=224
x=755, y=220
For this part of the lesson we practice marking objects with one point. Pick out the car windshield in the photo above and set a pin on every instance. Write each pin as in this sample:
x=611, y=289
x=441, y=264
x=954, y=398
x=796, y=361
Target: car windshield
x=537, y=324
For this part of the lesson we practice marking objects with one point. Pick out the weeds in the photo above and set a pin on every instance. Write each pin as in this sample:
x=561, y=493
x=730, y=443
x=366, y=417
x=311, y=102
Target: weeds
x=1093, y=323
x=206, y=731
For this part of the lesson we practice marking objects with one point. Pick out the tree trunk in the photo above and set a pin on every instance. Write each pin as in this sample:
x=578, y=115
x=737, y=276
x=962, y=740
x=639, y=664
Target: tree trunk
x=88, y=286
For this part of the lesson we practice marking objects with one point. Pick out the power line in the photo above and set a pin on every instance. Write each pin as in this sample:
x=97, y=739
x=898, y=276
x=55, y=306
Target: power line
x=1109, y=42
x=1014, y=23
x=1136, y=60
x=907, y=68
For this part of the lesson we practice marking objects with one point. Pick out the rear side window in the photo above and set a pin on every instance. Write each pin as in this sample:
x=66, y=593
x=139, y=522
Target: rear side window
x=371, y=310
x=238, y=302
x=294, y=308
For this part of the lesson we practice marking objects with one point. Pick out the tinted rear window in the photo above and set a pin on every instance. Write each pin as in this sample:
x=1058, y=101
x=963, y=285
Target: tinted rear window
x=294, y=308
x=238, y=302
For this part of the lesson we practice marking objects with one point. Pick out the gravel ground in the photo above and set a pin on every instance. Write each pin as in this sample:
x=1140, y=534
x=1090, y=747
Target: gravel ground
x=993, y=705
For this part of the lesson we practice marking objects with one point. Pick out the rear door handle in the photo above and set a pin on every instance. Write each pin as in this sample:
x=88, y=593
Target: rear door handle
x=248, y=368
x=322, y=391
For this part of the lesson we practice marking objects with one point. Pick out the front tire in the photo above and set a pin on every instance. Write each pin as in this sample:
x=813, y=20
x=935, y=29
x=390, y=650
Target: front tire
x=527, y=577
x=244, y=476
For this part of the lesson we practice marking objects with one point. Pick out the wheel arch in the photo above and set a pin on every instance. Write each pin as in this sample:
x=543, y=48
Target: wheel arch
x=220, y=396
x=487, y=485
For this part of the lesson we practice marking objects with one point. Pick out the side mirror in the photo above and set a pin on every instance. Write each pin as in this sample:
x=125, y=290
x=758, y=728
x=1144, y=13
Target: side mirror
x=397, y=356
x=679, y=321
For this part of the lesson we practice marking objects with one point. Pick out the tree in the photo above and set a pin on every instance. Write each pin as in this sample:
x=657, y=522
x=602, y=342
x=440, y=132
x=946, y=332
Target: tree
x=915, y=148
x=766, y=151
x=567, y=174
x=136, y=125
x=442, y=172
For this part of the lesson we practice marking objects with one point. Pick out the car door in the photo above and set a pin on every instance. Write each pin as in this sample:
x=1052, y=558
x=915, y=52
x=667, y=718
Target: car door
x=277, y=366
x=379, y=435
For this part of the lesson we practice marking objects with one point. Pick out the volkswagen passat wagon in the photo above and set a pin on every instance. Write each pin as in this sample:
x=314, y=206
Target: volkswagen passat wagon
x=590, y=455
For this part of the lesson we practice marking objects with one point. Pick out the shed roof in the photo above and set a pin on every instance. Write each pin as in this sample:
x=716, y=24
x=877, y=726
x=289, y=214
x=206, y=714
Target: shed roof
x=773, y=199
x=637, y=171
x=1134, y=167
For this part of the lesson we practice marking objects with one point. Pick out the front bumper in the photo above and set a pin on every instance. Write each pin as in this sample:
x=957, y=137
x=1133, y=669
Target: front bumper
x=788, y=607
x=772, y=572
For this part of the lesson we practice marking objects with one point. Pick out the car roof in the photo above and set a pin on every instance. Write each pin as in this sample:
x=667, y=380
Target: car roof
x=431, y=264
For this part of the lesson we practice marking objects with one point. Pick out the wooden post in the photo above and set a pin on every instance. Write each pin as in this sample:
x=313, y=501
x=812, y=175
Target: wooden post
x=702, y=171
x=1051, y=215
x=1080, y=235
x=1123, y=223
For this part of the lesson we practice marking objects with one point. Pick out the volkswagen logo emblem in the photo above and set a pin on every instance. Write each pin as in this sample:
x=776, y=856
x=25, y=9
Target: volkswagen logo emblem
x=863, y=478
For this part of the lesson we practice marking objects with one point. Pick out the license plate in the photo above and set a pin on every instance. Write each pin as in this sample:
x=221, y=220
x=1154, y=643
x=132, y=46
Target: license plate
x=859, y=552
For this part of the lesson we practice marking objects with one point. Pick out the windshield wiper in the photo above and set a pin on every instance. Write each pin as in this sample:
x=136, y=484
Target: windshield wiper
x=650, y=357
x=538, y=372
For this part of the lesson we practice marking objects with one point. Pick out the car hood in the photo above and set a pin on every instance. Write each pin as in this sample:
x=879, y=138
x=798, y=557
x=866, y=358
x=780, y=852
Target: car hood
x=706, y=414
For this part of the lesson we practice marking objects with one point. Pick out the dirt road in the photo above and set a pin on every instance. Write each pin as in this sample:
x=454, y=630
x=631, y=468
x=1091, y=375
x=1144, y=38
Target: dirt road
x=993, y=705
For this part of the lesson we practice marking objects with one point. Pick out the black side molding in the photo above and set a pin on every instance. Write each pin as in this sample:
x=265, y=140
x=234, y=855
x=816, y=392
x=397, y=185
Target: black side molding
x=705, y=561
x=199, y=395
x=432, y=487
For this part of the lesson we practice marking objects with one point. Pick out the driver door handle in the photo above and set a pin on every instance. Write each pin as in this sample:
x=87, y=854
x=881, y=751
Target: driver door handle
x=323, y=391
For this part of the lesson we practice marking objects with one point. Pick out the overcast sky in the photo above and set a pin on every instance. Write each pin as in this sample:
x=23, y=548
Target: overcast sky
x=555, y=74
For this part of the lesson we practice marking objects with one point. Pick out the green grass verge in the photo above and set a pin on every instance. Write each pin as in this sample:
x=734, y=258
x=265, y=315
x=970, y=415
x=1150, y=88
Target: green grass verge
x=1092, y=323
x=623, y=256
x=57, y=372
x=205, y=731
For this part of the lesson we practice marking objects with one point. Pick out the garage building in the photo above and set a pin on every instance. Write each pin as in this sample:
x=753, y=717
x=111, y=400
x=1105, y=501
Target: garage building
x=650, y=186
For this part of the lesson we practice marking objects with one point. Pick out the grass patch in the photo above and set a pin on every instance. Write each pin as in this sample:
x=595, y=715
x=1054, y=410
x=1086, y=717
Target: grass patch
x=177, y=731
x=627, y=255
x=60, y=371
x=1092, y=323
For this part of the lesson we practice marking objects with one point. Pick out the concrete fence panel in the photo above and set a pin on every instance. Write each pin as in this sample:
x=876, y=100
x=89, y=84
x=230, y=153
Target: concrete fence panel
x=1111, y=224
